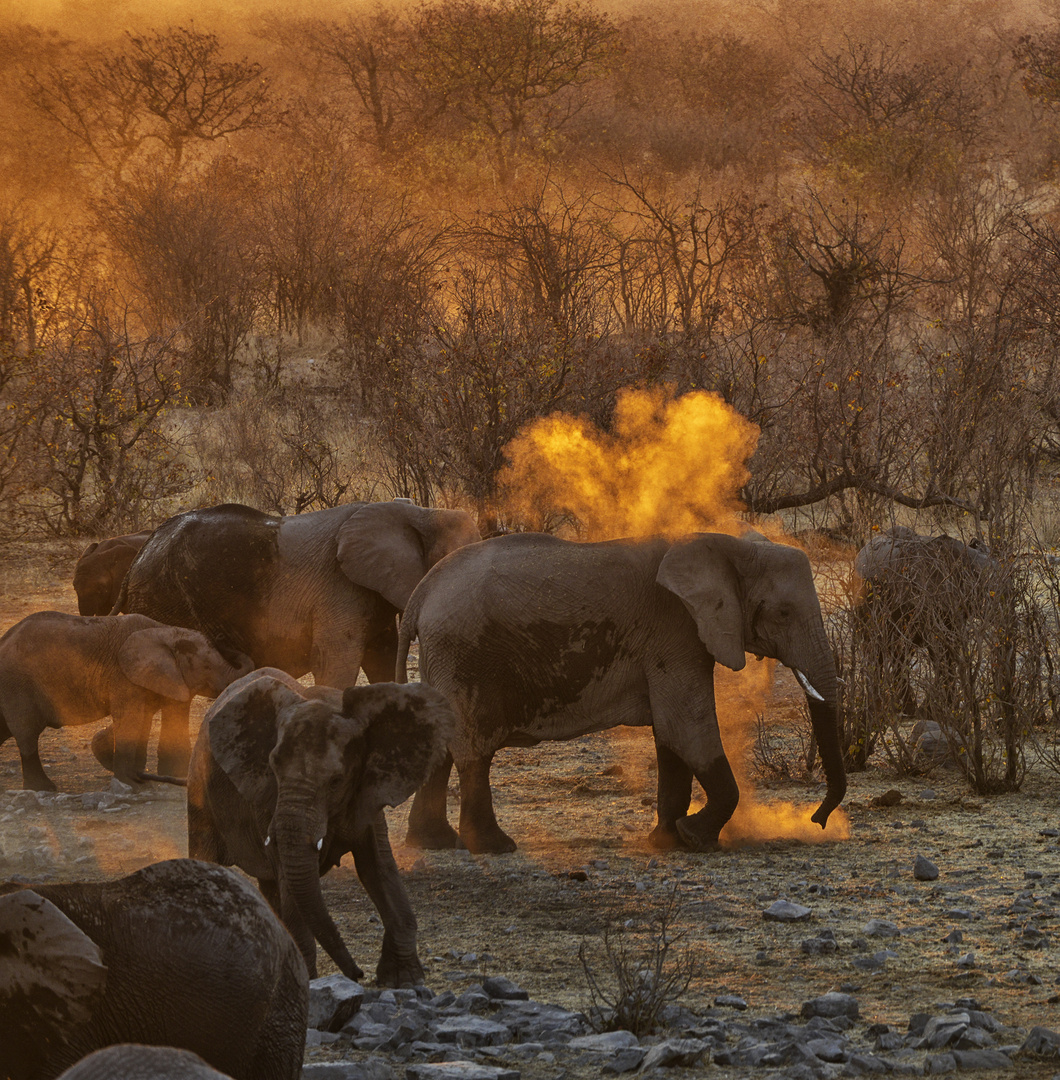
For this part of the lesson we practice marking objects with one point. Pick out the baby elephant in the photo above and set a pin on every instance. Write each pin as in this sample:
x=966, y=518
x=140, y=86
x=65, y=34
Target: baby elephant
x=133, y=1061
x=180, y=954
x=58, y=669
x=285, y=780
x=101, y=570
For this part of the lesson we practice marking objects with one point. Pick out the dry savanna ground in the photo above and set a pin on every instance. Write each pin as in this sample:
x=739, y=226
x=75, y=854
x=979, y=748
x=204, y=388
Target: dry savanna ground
x=581, y=812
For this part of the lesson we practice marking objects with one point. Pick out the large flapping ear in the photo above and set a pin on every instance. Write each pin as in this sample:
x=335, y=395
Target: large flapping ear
x=702, y=572
x=381, y=548
x=52, y=973
x=408, y=731
x=242, y=731
x=147, y=659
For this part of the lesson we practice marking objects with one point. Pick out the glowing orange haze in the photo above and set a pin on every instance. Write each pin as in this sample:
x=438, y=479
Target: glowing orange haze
x=672, y=466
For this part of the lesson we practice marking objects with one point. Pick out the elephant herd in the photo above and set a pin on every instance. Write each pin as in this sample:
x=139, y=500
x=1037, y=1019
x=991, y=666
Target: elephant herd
x=523, y=638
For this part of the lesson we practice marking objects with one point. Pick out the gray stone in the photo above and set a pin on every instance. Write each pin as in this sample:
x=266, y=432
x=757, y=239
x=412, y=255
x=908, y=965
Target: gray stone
x=625, y=1061
x=730, y=1001
x=605, y=1041
x=671, y=1052
x=831, y=1004
x=333, y=999
x=459, y=1070
x=786, y=911
x=372, y=1069
x=987, y=1058
x=1041, y=1042
x=503, y=989
x=924, y=869
x=936, y=1064
x=881, y=928
x=472, y=1031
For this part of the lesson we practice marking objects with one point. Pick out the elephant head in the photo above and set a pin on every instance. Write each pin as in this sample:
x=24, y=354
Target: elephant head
x=178, y=664
x=51, y=979
x=318, y=766
x=389, y=546
x=759, y=597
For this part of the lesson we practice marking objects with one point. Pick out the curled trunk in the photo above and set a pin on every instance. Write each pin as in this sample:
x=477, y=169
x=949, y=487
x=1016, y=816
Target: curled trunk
x=299, y=864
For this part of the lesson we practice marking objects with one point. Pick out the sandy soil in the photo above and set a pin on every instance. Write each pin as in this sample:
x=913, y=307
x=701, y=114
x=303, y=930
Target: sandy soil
x=581, y=812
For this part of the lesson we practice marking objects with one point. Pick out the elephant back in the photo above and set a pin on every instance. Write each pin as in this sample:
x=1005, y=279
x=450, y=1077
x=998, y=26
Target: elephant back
x=207, y=570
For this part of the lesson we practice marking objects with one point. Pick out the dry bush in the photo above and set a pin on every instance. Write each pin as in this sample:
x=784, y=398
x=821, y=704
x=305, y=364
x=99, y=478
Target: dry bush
x=286, y=451
x=636, y=980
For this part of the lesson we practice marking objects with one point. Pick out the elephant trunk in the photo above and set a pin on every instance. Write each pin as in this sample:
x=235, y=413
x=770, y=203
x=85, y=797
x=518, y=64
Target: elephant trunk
x=300, y=866
x=824, y=718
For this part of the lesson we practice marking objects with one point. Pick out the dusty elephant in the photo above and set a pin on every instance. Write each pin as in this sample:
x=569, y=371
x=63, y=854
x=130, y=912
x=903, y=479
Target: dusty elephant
x=101, y=569
x=284, y=781
x=312, y=592
x=58, y=669
x=532, y=638
x=134, y=1061
x=181, y=953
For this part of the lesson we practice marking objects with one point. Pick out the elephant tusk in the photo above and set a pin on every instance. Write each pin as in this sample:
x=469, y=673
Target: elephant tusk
x=268, y=839
x=806, y=685
x=320, y=843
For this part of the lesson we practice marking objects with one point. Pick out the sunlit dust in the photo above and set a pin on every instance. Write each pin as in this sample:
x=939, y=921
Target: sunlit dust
x=672, y=465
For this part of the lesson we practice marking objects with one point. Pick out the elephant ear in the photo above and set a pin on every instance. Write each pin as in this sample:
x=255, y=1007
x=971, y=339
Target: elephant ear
x=242, y=733
x=701, y=571
x=407, y=733
x=146, y=658
x=52, y=973
x=381, y=547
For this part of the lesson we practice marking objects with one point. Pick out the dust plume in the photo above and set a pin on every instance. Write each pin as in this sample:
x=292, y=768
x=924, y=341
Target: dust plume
x=672, y=465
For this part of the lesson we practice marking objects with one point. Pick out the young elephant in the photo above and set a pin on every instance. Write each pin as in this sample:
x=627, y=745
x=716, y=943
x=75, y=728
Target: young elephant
x=285, y=780
x=101, y=569
x=58, y=669
x=133, y=1061
x=180, y=954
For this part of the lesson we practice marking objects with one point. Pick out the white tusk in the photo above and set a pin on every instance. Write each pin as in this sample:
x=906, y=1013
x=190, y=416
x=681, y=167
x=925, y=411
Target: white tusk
x=320, y=843
x=267, y=840
x=806, y=686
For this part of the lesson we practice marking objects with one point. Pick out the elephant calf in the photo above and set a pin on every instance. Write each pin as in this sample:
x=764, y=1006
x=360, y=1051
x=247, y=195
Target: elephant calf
x=180, y=954
x=58, y=669
x=101, y=569
x=285, y=780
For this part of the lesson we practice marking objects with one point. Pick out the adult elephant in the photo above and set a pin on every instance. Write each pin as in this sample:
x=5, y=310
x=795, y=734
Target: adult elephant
x=921, y=593
x=58, y=669
x=532, y=638
x=312, y=592
x=101, y=569
x=286, y=780
x=134, y=1061
x=182, y=953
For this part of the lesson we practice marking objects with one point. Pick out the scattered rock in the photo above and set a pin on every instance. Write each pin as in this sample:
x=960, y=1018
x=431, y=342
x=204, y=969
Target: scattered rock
x=889, y=798
x=786, y=911
x=924, y=869
x=831, y=1004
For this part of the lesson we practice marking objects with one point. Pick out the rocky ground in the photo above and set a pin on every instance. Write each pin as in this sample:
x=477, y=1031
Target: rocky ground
x=804, y=959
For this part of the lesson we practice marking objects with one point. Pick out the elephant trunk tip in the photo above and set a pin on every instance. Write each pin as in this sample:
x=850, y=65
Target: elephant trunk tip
x=828, y=804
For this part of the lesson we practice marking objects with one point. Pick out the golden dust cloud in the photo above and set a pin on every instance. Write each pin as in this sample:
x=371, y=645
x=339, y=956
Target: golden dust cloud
x=672, y=465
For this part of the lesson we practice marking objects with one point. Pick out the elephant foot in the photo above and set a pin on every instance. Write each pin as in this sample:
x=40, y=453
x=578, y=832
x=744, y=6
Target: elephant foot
x=488, y=841
x=174, y=763
x=399, y=973
x=34, y=778
x=664, y=838
x=432, y=836
x=695, y=837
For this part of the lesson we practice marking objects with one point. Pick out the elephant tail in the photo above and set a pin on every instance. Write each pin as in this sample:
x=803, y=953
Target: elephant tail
x=177, y=781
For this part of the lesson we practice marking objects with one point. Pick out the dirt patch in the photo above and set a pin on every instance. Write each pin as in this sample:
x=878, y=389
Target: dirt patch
x=581, y=812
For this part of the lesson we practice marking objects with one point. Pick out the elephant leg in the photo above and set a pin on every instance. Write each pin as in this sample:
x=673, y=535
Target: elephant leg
x=174, y=747
x=131, y=732
x=699, y=832
x=675, y=794
x=428, y=823
x=34, y=778
x=291, y=917
x=479, y=830
x=399, y=964
x=380, y=654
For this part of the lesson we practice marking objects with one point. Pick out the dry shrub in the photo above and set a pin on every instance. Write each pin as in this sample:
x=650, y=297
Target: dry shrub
x=285, y=451
x=638, y=979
